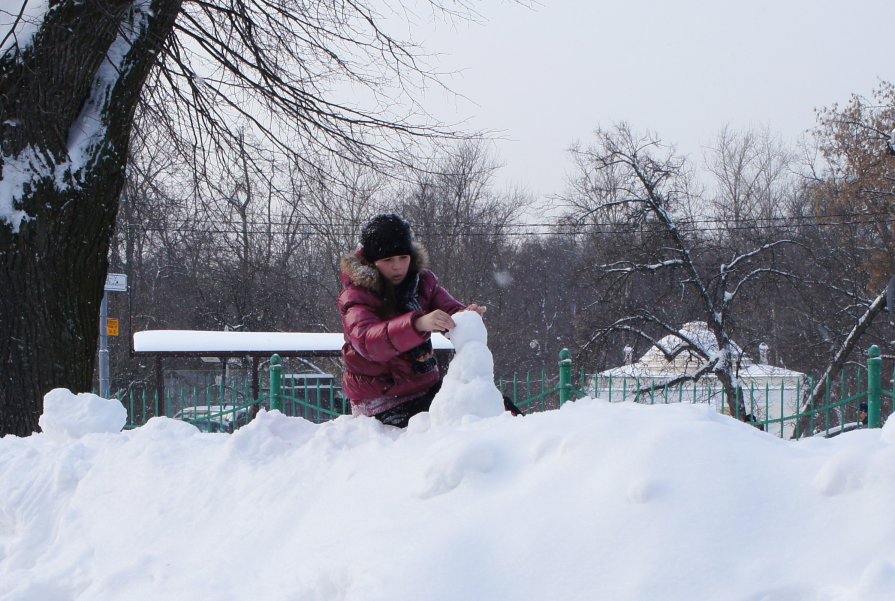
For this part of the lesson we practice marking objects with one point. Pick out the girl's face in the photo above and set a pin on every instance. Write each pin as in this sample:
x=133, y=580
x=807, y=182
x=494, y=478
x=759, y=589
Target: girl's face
x=394, y=268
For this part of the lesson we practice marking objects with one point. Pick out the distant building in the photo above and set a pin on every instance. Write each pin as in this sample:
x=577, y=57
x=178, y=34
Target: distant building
x=769, y=392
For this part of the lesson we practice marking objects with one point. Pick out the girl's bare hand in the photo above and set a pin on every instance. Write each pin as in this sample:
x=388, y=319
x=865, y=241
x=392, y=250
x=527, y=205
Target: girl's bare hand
x=436, y=321
x=480, y=309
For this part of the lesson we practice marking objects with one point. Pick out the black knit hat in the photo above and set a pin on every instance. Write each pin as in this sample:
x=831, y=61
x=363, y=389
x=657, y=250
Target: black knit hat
x=386, y=236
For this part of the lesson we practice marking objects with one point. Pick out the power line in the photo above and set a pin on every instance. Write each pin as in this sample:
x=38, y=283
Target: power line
x=309, y=228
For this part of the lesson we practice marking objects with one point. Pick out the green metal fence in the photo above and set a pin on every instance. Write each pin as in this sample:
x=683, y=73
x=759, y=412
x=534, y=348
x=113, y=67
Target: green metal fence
x=315, y=402
x=211, y=408
x=775, y=408
x=778, y=407
x=763, y=403
x=842, y=404
x=533, y=395
x=220, y=408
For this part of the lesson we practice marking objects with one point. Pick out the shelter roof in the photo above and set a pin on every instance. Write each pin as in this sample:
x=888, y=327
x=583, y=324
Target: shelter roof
x=201, y=342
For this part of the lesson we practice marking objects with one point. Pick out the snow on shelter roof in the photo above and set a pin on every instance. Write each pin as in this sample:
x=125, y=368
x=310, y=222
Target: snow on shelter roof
x=200, y=341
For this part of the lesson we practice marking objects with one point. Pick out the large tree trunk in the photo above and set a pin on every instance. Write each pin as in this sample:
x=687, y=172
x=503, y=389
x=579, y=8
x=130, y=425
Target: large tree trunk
x=66, y=110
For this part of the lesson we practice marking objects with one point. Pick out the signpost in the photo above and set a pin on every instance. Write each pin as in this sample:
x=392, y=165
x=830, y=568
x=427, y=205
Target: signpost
x=115, y=282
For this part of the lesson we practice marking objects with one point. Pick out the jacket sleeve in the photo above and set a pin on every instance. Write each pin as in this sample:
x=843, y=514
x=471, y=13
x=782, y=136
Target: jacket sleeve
x=440, y=298
x=374, y=338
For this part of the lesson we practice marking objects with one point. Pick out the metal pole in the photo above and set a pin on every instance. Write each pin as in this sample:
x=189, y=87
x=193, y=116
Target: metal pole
x=874, y=384
x=275, y=391
x=160, y=385
x=104, y=347
x=256, y=385
x=565, y=375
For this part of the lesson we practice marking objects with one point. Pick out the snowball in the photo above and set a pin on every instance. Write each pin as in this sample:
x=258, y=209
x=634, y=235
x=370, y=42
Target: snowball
x=468, y=388
x=503, y=278
x=67, y=415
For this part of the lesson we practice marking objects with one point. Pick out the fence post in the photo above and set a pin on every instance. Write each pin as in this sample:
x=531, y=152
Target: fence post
x=565, y=376
x=275, y=391
x=874, y=384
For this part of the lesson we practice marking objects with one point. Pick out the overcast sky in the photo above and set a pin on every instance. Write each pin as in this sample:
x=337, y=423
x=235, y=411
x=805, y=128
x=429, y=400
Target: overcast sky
x=548, y=76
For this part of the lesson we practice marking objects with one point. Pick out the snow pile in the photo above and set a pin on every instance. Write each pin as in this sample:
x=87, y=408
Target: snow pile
x=67, y=415
x=593, y=501
x=468, y=388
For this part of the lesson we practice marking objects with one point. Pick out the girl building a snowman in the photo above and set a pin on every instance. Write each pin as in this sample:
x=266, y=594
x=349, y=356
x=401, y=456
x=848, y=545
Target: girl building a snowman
x=390, y=305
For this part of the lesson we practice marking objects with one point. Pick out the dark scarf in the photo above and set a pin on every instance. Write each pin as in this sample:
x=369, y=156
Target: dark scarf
x=407, y=298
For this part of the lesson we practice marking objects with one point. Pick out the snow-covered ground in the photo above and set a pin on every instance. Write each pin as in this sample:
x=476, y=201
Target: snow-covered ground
x=594, y=501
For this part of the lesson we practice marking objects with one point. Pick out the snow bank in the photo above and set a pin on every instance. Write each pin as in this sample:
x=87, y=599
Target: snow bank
x=613, y=501
x=66, y=415
x=594, y=501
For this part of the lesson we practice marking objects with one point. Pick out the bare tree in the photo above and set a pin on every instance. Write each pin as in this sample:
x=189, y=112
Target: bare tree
x=335, y=212
x=754, y=179
x=636, y=177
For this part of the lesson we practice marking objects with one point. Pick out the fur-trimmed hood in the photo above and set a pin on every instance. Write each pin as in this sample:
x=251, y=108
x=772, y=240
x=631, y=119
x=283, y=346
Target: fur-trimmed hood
x=357, y=271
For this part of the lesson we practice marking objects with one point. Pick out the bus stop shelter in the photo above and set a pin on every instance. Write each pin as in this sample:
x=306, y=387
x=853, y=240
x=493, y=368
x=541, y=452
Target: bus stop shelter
x=258, y=346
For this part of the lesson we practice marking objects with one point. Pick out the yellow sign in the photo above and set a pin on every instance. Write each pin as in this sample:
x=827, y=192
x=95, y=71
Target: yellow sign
x=112, y=327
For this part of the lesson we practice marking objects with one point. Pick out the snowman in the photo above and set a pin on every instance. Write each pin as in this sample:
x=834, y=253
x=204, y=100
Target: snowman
x=468, y=387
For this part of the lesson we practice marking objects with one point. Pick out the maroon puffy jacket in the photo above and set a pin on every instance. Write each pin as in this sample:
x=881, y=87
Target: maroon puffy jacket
x=377, y=367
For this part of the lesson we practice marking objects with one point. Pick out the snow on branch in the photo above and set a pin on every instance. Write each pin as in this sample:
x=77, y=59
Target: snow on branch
x=697, y=375
x=627, y=324
x=757, y=251
x=631, y=267
x=755, y=273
